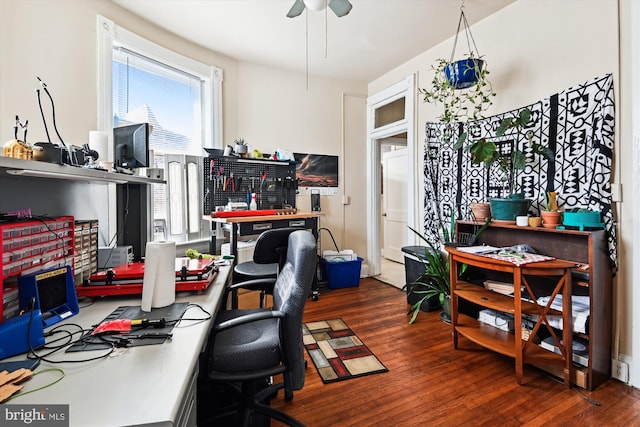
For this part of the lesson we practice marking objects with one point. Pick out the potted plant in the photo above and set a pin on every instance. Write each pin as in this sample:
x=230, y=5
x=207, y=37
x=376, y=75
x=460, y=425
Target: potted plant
x=551, y=216
x=241, y=147
x=485, y=151
x=581, y=218
x=460, y=104
x=480, y=211
x=461, y=86
x=434, y=282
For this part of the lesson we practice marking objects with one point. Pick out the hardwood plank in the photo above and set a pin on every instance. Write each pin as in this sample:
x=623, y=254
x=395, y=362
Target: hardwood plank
x=430, y=383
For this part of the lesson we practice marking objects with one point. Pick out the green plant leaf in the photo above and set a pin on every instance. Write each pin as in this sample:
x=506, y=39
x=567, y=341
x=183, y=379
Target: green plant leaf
x=482, y=151
x=505, y=124
x=460, y=141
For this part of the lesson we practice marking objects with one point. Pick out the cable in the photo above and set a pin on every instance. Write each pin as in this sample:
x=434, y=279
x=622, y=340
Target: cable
x=196, y=320
x=62, y=375
x=120, y=230
x=330, y=234
x=70, y=153
x=33, y=355
x=576, y=389
x=46, y=129
x=42, y=219
x=53, y=111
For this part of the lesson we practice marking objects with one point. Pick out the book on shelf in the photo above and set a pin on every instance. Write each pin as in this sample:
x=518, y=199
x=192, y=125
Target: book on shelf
x=580, y=349
x=504, y=288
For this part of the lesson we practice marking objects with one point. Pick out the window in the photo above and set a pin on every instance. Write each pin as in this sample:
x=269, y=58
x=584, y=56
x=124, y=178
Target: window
x=181, y=99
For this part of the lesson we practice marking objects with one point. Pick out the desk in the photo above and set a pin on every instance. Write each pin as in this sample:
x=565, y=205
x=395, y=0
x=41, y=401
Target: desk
x=145, y=385
x=249, y=225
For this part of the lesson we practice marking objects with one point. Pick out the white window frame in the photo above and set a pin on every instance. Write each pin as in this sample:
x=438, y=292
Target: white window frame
x=109, y=34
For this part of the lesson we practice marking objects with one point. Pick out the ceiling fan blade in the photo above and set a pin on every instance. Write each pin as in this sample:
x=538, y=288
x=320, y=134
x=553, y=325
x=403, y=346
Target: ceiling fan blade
x=296, y=9
x=340, y=7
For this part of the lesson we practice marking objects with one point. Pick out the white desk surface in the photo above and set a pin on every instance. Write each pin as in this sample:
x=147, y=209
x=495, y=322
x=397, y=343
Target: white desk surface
x=142, y=385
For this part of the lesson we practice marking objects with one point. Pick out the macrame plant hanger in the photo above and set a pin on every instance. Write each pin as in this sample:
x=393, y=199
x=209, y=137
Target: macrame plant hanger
x=464, y=73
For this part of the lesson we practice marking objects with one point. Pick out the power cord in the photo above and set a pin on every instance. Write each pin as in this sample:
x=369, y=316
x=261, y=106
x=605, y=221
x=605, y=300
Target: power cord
x=197, y=320
x=71, y=155
x=42, y=371
x=43, y=357
x=120, y=230
x=576, y=389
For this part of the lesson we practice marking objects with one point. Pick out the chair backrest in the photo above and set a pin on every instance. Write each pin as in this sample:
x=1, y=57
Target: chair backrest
x=271, y=246
x=290, y=294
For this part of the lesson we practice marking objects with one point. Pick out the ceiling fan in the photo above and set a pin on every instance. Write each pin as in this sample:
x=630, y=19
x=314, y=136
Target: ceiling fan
x=339, y=7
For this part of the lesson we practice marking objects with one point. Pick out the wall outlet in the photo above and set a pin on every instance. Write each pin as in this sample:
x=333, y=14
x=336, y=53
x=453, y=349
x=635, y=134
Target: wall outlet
x=620, y=370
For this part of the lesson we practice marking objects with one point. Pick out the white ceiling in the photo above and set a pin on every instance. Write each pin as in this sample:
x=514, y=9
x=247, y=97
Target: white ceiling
x=375, y=37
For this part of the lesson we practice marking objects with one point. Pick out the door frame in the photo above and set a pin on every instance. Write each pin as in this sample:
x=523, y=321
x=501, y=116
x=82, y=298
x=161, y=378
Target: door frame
x=403, y=89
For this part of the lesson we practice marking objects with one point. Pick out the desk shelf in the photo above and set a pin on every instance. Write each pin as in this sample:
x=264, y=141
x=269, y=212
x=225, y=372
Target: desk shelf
x=36, y=169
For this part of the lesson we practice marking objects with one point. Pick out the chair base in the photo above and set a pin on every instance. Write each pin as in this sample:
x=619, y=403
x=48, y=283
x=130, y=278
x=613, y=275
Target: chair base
x=242, y=404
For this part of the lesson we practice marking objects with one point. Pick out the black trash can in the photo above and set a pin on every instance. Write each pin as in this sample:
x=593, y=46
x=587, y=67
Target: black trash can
x=414, y=265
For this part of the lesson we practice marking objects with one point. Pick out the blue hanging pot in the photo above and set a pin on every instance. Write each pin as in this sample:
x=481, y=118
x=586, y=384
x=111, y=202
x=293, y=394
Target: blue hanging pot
x=464, y=73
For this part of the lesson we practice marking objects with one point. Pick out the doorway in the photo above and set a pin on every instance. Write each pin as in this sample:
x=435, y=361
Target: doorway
x=393, y=198
x=390, y=118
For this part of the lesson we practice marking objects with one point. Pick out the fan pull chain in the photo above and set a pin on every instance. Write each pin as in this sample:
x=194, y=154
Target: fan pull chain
x=306, y=16
x=326, y=30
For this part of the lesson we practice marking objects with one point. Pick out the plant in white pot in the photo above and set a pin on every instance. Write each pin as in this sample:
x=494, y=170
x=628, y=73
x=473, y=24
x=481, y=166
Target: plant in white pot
x=241, y=147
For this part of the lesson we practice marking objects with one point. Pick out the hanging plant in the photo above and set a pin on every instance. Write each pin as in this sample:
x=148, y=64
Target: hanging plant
x=461, y=86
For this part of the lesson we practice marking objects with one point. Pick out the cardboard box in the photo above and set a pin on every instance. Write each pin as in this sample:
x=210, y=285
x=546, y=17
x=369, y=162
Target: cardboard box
x=579, y=376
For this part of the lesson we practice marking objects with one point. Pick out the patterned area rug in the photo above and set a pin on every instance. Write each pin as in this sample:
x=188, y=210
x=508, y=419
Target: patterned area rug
x=337, y=352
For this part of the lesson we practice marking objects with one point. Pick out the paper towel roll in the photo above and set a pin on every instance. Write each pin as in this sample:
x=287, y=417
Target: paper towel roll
x=99, y=141
x=159, y=280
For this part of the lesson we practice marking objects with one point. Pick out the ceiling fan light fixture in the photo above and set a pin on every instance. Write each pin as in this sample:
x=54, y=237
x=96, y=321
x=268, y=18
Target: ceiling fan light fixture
x=316, y=5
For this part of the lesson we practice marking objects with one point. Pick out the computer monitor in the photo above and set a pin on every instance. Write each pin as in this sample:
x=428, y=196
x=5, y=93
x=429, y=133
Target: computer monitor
x=131, y=146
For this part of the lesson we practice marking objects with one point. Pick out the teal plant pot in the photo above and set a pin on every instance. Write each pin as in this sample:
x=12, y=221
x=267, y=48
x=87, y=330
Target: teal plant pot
x=509, y=209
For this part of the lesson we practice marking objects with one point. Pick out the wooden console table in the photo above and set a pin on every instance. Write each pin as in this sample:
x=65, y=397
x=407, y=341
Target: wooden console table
x=504, y=342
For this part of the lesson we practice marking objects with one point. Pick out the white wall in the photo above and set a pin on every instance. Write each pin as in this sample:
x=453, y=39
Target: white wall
x=276, y=110
x=270, y=108
x=535, y=48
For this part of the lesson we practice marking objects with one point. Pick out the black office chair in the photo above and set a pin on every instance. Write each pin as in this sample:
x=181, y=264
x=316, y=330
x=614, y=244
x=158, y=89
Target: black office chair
x=268, y=258
x=249, y=346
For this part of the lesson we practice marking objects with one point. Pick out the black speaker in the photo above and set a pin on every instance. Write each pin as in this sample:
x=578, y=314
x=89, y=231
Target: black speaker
x=315, y=202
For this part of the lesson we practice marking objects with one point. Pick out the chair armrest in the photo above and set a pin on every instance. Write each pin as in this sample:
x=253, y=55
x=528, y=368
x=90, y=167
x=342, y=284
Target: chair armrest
x=248, y=318
x=242, y=285
x=254, y=282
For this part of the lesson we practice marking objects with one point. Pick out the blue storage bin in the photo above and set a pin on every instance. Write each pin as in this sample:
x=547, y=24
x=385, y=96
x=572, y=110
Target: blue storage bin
x=342, y=274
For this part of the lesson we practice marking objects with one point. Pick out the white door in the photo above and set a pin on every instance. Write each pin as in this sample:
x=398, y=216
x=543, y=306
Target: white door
x=394, y=185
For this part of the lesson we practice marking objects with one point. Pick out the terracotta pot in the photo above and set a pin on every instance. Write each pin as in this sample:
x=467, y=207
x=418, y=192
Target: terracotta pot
x=481, y=211
x=551, y=219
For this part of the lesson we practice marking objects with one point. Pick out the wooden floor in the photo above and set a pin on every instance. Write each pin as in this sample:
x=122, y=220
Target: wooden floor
x=431, y=384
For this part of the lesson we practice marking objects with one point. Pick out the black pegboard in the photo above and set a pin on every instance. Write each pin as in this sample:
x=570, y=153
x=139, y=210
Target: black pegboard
x=276, y=191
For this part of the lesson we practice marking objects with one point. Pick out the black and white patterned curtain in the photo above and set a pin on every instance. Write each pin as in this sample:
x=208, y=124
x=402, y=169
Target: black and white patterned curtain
x=577, y=124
